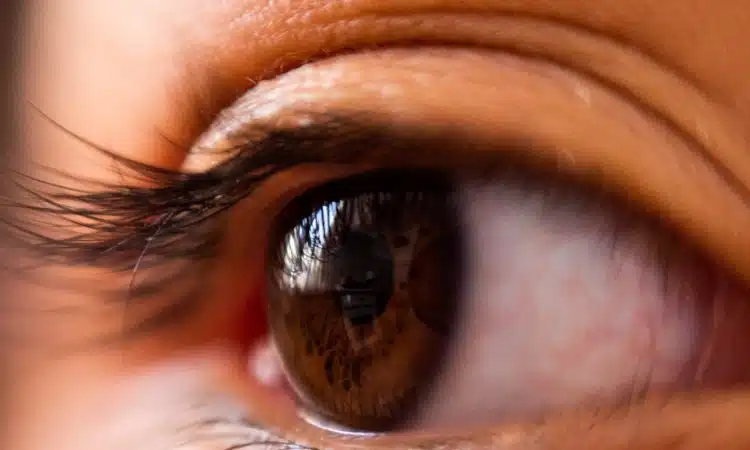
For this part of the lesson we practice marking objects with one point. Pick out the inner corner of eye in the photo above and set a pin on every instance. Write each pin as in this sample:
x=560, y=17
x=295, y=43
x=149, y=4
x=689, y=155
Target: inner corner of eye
x=398, y=299
x=264, y=366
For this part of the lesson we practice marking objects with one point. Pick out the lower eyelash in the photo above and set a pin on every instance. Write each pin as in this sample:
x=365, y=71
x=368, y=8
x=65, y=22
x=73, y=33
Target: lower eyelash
x=127, y=227
x=221, y=422
x=237, y=434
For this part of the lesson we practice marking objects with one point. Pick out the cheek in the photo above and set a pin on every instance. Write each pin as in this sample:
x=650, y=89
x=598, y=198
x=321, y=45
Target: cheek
x=88, y=408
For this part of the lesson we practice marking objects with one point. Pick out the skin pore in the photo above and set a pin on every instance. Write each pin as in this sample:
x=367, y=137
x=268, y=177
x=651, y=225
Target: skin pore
x=650, y=99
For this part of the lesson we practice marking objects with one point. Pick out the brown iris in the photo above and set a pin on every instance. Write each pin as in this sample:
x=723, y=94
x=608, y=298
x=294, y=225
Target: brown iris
x=363, y=285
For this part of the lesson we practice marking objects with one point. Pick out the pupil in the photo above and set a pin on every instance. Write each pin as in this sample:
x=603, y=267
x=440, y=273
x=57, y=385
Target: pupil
x=364, y=264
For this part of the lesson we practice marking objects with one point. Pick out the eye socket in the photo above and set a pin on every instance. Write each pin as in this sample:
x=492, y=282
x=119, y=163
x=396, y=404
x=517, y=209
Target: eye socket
x=522, y=296
x=363, y=290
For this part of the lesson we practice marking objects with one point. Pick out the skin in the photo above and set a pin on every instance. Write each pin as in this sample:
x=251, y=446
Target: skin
x=664, y=84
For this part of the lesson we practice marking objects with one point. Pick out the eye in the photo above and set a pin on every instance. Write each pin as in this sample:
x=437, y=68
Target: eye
x=406, y=298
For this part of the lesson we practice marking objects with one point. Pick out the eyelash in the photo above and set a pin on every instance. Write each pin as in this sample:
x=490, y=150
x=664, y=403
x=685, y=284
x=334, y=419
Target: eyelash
x=247, y=434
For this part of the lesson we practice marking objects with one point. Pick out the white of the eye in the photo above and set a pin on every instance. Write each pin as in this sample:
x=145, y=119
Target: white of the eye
x=555, y=315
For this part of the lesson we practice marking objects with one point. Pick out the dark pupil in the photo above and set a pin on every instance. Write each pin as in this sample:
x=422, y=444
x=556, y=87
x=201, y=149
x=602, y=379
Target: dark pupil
x=364, y=264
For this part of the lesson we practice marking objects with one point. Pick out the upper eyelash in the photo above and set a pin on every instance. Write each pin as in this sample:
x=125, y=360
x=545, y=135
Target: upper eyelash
x=173, y=217
x=166, y=220
x=214, y=424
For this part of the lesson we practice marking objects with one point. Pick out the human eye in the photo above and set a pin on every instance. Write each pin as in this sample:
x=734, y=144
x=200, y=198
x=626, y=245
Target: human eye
x=546, y=247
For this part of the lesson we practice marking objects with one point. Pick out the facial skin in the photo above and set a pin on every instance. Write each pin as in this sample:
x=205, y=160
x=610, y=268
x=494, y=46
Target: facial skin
x=650, y=98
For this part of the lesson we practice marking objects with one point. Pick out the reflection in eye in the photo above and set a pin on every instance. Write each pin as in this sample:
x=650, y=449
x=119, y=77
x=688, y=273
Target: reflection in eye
x=398, y=300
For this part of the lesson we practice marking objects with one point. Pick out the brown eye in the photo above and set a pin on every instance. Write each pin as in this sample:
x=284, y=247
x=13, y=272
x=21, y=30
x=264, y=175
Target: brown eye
x=363, y=294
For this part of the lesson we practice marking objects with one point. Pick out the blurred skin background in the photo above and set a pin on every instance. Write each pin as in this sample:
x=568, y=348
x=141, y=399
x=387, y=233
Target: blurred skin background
x=9, y=13
x=647, y=102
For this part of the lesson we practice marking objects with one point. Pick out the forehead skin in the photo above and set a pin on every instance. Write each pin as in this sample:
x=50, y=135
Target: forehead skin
x=146, y=78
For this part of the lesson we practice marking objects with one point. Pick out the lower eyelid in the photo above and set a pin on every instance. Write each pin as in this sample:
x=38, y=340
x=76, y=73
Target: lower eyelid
x=714, y=421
